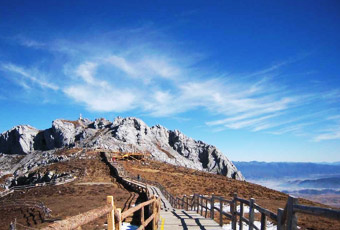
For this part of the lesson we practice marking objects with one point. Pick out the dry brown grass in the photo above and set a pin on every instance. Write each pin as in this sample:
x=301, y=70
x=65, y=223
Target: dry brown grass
x=69, y=199
x=67, y=152
x=75, y=123
x=182, y=181
x=164, y=151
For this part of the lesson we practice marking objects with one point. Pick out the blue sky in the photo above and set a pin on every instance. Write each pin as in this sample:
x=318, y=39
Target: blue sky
x=258, y=79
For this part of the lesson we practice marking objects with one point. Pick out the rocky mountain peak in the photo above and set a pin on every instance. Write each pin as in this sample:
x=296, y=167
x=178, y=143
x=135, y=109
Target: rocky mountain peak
x=128, y=134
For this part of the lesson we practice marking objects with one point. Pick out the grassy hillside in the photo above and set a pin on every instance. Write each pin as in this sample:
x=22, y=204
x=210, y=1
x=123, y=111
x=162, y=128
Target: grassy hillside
x=183, y=181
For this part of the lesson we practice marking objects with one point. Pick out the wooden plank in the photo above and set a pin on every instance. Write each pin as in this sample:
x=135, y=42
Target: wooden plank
x=118, y=222
x=221, y=210
x=291, y=216
x=212, y=205
x=251, y=213
x=225, y=200
x=136, y=208
x=245, y=220
x=147, y=221
x=81, y=219
x=280, y=225
x=263, y=222
x=241, y=216
x=268, y=213
x=110, y=215
x=206, y=208
x=154, y=213
x=233, y=206
x=243, y=201
x=227, y=215
x=142, y=218
x=317, y=211
x=201, y=204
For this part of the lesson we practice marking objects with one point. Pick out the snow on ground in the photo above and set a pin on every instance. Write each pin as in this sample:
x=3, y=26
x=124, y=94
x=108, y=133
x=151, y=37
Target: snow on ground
x=128, y=226
x=226, y=208
x=270, y=226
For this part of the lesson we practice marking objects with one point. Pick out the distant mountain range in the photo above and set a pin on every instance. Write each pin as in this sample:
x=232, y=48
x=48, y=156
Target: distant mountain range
x=312, y=191
x=271, y=170
x=329, y=182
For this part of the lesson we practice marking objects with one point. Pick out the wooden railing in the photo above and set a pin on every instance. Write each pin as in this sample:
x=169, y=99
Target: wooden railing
x=206, y=206
x=114, y=216
x=286, y=219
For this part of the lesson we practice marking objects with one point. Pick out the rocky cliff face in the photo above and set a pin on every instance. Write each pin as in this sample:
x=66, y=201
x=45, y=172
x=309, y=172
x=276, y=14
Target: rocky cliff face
x=18, y=140
x=123, y=134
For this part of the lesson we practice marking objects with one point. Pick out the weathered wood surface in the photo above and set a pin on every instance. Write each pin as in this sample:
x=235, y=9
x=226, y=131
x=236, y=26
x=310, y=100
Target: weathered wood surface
x=190, y=220
x=130, y=211
x=325, y=212
x=81, y=219
x=204, y=205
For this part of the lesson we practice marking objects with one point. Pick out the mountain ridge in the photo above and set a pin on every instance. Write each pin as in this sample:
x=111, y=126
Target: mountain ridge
x=124, y=135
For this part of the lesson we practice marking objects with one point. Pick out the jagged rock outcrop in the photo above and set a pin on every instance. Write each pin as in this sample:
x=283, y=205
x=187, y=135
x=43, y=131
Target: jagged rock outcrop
x=126, y=135
x=18, y=140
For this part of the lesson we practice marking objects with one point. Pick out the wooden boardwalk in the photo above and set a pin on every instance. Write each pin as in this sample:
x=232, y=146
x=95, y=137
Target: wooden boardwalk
x=178, y=219
x=184, y=212
x=182, y=219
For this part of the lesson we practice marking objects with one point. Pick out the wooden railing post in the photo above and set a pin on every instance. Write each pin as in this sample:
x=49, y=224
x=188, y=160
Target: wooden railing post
x=198, y=203
x=185, y=200
x=154, y=211
x=201, y=203
x=206, y=208
x=291, y=216
x=251, y=213
x=280, y=225
x=183, y=206
x=221, y=210
x=263, y=221
x=110, y=215
x=118, y=223
x=142, y=217
x=187, y=203
x=158, y=210
x=241, y=216
x=233, y=212
x=212, y=205
x=192, y=201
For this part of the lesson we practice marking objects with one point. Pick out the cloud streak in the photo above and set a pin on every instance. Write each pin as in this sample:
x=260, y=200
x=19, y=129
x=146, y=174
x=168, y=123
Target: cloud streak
x=109, y=77
x=28, y=76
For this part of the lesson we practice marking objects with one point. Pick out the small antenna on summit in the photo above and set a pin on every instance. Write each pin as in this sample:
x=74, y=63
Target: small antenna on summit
x=80, y=117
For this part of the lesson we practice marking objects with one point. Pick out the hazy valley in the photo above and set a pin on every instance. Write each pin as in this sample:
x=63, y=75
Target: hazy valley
x=315, y=181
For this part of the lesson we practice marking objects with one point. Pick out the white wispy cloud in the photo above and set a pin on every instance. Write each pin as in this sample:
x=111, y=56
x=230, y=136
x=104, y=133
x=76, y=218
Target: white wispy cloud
x=124, y=76
x=29, y=42
x=295, y=128
x=28, y=76
x=333, y=134
x=86, y=72
x=102, y=99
